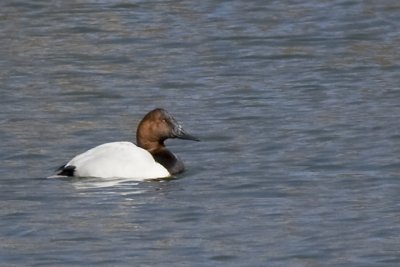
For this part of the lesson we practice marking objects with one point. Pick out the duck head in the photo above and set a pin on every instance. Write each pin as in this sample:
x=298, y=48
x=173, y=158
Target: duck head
x=157, y=126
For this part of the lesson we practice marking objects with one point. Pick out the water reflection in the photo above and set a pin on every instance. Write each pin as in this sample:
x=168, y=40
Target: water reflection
x=95, y=183
x=127, y=188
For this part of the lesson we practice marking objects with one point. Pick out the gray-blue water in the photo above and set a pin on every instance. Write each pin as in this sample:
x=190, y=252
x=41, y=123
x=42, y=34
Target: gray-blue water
x=297, y=104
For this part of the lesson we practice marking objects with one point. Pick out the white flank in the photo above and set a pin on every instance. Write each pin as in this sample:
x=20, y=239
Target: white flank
x=118, y=160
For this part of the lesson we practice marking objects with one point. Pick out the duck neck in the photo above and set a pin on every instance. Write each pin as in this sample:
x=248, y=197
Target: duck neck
x=162, y=155
x=168, y=159
x=151, y=146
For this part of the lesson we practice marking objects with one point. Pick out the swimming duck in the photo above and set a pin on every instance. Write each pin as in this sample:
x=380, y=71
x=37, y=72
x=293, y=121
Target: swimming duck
x=149, y=159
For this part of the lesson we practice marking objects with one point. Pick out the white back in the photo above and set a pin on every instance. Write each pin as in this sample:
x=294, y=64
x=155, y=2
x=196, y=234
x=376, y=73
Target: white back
x=118, y=160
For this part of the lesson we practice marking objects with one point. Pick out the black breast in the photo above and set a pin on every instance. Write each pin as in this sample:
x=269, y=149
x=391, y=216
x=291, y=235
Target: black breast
x=166, y=158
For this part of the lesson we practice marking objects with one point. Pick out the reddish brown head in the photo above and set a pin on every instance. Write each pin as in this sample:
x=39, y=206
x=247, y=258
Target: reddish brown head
x=157, y=126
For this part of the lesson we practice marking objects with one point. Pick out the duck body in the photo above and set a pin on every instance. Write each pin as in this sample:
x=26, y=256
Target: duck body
x=116, y=160
x=149, y=159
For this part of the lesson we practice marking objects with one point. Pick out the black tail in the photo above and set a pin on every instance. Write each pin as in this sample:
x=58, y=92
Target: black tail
x=66, y=170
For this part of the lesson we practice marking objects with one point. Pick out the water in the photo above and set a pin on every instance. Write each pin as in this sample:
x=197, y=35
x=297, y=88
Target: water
x=297, y=104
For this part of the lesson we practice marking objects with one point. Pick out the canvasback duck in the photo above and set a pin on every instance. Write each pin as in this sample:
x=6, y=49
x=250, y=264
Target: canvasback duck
x=150, y=159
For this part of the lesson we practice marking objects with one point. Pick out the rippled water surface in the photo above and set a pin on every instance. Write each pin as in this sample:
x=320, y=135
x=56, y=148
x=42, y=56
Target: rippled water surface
x=297, y=104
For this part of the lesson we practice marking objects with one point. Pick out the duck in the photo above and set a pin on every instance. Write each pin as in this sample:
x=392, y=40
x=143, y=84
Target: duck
x=147, y=159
